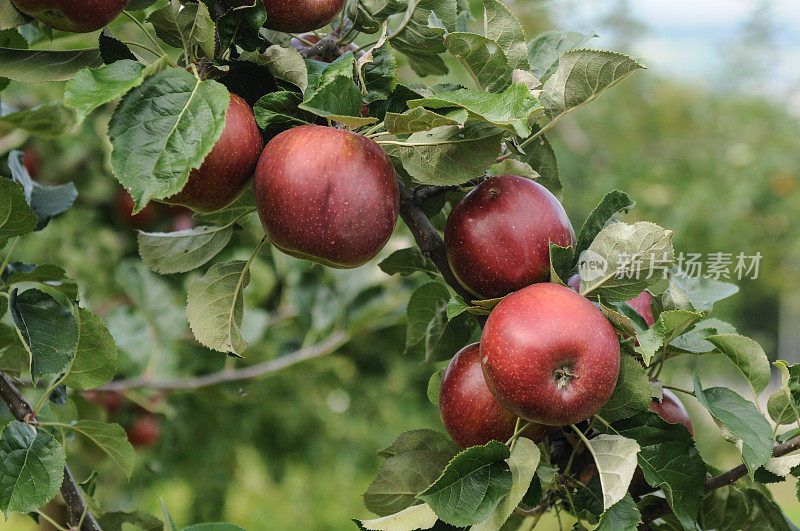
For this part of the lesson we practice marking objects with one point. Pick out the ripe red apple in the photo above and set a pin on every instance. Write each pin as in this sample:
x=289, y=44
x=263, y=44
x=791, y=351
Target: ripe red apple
x=327, y=195
x=145, y=431
x=302, y=43
x=297, y=16
x=549, y=355
x=498, y=237
x=77, y=16
x=470, y=413
x=672, y=410
x=226, y=170
x=641, y=303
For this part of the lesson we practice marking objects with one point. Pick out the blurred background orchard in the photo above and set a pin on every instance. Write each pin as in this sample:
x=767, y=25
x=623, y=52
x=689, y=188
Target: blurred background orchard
x=707, y=141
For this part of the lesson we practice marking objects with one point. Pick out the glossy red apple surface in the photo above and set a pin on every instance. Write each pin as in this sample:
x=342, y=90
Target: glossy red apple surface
x=498, y=237
x=470, y=413
x=549, y=355
x=77, y=16
x=298, y=16
x=327, y=195
x=229, y=166
x=672, y=410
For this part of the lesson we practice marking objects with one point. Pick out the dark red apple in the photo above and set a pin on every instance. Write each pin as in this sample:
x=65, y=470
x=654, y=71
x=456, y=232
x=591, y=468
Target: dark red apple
x=327, y=195
x=303, y=42
x=641, y=303
x=297, y=16
x=31, y=161
x=112, y=402
x=498, y=237
x=672, y=410
x=227, y=169
x=549, y=355
x=77, y=16
x=123, y=207
x=470, y=413
x=144, y=431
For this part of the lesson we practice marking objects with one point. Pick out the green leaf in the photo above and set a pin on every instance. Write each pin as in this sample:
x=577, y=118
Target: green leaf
x=742, y=419
x=154, y=133
x=503, y=26
x=368, y=15
x=434, y=386
x=510, y=110
x=669, y=460
x=415, y=517
x=419, y=119
x=541, y=157
x=448, y=155
x=217, y=526
x=216, y=306
x=622, y=516
x=483, y=58
x=14, y=359
x=624, y=260
x=285, y=64
x=783, y=404
x=725, y=509
x=632, y=393
x=426, y=440
x=523, y=462
x=668, y=326
x=278, y=111
x=779, y=407
x=561, y=259
x=31, y=468
x=614, y=203
x=401, y=478
x=703, y=292
x=16, y=217
x=52, y=276
x=95, y=360
x=615, y=458
x=138, y=519
x=695, y=339
x=10, y=17
x=378, y=69
x=747, y=356
x=407, y=261
x=764, y=513
x=338, y=100
x=90, y=89
x=48, y=328
x=154, y=300
x=581, y=76
x=37, y=66
x=445, y=336
x=514, y=167
x=46, y=121
x=545, y=49
x=236, y=211
x=240, y=26
x=182, y=251
x=111, y=439
x=45, y=201
x=471, y=486
x=418, y=37
x=187, y=27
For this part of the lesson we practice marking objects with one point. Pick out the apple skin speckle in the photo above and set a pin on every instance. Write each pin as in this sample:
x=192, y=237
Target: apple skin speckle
x=498, y=237
x=537, y=332
x=470, y=414
x=327, y=195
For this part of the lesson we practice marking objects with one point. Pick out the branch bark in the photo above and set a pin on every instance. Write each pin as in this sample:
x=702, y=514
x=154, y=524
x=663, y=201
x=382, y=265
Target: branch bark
x=726, y=478
x=253, y=372
x=22, y=411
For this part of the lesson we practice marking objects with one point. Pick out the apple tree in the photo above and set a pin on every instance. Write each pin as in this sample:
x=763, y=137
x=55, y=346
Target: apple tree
x=546, y=345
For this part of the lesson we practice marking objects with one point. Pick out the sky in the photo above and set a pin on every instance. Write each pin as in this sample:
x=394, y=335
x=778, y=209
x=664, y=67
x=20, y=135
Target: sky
x=697, y=39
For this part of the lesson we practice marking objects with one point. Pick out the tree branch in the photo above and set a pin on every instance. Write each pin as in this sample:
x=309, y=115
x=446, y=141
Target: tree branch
x=727, y=478
x=22, y=411
x=326, y=47
x=253, y=372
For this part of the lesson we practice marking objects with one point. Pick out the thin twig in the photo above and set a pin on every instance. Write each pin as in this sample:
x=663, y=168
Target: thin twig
x=76, y=506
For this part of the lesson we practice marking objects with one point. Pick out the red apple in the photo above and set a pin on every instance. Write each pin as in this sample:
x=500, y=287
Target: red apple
x=327, y=195
x=498, y=237
x=77, y=16
x=145, y=431
x=225, y=171
x=112, y=402
x=672, y=410
x=297, y=16
x=470, y=413
x=123, y=207
x=549, y=355
x=302, y=43
x=31, y=161
x=641, y=303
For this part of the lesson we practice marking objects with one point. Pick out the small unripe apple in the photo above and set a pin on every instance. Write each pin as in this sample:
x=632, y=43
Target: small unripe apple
x=549, y=355
x=77, y=16
x=227, y=169
x=298, y=16
x=301, y=44
x=470, y=413
x=672, y=410
x=145, y=431
x=327, y=195
x=498, y=237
